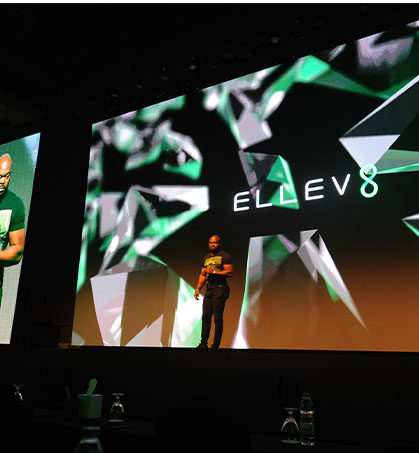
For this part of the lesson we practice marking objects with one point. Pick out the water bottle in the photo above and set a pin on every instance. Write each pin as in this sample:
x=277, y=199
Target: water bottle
x=307, y=420
x=89, y=440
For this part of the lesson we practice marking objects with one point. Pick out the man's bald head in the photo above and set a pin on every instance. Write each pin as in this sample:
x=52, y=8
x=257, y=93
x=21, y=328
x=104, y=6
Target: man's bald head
x=5, y=162
x=5, y=170
x=214, y=243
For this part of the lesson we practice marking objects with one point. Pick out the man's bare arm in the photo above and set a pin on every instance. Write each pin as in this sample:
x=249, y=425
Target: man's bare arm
x=226, y=272
x=201, y=281
x=13, y=254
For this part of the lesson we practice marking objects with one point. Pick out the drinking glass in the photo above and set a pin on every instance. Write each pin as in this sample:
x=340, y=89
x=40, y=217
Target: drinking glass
x=290, y=433
x=18, y=393
x=116, y=413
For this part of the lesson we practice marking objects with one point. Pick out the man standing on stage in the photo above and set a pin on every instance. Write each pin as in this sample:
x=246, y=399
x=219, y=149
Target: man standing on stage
x=12, y=221
x=217, y=266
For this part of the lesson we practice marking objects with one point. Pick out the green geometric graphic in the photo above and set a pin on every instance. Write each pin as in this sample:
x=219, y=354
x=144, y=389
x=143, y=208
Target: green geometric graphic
x=267, y=254
x=154, y=112
x=371, y=140
x=412, y=222
x=272, y=176
x=168, y=314
x=125, y=226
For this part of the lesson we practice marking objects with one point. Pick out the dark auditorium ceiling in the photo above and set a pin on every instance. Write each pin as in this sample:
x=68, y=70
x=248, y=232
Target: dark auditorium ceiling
x=98, y=60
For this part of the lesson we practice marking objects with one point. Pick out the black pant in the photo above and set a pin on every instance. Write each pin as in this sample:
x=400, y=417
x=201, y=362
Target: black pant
x=213, y=304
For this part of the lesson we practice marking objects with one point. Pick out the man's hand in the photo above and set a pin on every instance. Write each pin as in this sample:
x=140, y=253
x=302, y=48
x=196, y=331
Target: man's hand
x=205, y=271
x=197, y=294
x=13, y=253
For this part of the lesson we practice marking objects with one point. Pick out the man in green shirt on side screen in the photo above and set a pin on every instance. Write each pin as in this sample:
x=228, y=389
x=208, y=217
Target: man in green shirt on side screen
x=12, y=221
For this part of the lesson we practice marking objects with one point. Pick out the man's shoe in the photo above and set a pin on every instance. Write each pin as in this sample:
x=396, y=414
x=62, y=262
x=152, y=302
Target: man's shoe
x=201, y=347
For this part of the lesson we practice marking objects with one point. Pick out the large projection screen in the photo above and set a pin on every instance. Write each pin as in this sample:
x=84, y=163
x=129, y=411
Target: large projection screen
x=308, y=171
x=24, y=155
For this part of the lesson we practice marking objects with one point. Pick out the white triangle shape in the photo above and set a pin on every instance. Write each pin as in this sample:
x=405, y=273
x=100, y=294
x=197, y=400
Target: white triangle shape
x=109, y=297
x=150, y=335
x=368, y=149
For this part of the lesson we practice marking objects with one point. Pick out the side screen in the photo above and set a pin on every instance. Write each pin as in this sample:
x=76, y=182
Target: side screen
x=14, y=210
x=309, y=173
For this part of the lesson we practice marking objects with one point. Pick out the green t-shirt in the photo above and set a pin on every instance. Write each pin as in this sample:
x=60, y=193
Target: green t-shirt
x=12, y=218
x=216, y=261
